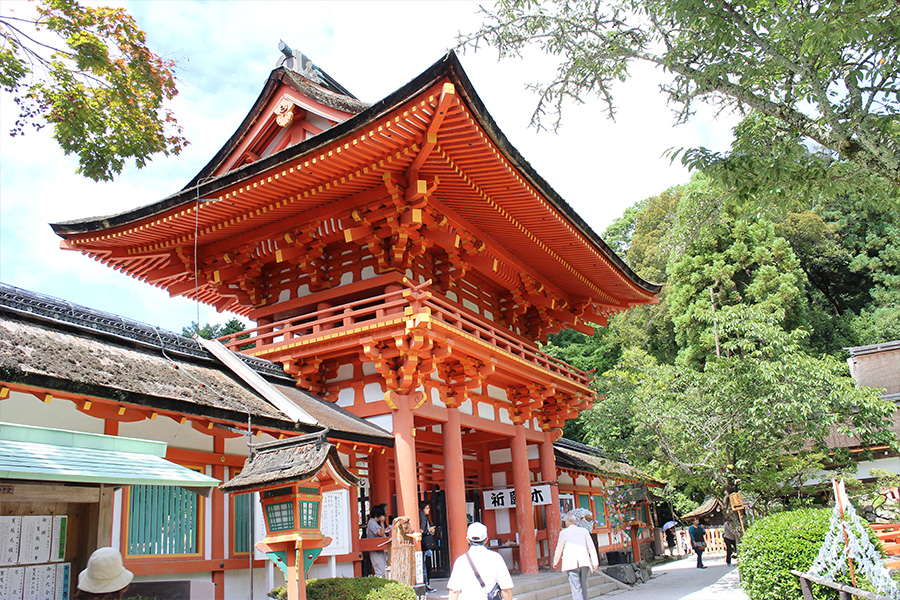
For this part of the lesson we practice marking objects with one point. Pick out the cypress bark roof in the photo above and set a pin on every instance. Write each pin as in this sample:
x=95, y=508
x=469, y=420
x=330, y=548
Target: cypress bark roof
x=287, y=461
x=580, y=457
x=57, y=345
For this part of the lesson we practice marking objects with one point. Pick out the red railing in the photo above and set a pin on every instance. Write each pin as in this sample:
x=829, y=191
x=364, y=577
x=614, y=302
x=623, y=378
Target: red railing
x=386, y=307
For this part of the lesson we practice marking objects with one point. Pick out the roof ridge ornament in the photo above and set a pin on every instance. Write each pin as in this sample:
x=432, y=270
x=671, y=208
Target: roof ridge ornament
x=298, y=62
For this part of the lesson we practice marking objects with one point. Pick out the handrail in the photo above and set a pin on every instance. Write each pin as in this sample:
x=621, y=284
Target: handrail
x=385, y=307
x=846, y=591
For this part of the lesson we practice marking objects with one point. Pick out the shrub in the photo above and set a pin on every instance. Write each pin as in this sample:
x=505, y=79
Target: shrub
x=781, y=542
x=351, y=588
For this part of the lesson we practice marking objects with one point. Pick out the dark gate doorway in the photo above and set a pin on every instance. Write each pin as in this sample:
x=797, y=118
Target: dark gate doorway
x=440, y=559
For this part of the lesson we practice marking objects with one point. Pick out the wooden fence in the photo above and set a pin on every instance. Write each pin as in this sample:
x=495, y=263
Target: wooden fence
x=846, y=592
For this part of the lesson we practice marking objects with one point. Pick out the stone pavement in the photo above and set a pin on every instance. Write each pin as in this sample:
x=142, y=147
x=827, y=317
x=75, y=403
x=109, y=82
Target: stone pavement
x=677, y=580
x=682, y=580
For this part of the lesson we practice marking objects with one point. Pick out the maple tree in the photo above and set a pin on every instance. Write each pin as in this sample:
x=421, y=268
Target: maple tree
x=101, y=89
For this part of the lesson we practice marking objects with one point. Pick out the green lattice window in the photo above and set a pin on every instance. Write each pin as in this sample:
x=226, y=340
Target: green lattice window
x=599, y=513
x=162, y=520
x=240, y=522
x=584, y=501
x=280, y=516
x=309, y=514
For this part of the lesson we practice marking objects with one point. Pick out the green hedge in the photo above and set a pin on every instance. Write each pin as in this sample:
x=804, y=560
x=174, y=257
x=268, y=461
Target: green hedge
x=351, y=588
x=781, y=542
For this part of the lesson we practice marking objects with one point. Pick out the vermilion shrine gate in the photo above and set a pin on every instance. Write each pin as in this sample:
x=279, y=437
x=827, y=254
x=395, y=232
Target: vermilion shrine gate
x=399, y=259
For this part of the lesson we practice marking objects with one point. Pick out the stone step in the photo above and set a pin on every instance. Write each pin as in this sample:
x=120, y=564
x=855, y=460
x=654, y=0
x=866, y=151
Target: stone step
x=557, y=588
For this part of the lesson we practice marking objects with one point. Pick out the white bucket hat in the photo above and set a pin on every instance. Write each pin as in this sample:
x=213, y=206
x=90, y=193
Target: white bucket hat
x=105, y=572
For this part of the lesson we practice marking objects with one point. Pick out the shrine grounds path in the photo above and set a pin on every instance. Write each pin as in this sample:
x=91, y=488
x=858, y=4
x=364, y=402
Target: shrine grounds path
x=682, y=580
x=677, y=580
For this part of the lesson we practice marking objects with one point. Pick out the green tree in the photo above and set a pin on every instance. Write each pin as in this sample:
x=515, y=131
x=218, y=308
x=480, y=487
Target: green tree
x=89, y=73
x=755, y=418
x=827, y=72
x=211, y=331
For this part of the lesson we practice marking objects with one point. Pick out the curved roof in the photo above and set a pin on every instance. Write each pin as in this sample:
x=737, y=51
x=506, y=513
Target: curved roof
x=483, y=180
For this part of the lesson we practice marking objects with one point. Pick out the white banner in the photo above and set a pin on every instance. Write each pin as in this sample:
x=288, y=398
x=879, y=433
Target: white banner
x=506, y=498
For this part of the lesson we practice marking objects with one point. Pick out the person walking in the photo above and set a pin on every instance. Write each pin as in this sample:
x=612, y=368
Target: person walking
x=479, y=570
x=105, y=577
x=575, y=549
x=730, y=539
x=698, y=540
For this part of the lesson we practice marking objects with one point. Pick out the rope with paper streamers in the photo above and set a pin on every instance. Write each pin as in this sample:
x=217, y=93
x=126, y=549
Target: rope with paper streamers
x=847, y=538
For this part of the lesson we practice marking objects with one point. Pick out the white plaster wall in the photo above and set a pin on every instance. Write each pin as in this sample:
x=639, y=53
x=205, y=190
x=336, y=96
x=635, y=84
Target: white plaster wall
x=471, y=306
x=503, y=415
x=237, y=584
x=368, y=368
x=566, y=479
x=368, y=272
x=863, y=470
x=347, y=277
x=284, y=295
x=25, y=409
x=498, y=457
x=452, y=295
x=534, y=451
x=372, y=392
x=496, y=393
x=117, y=520
x=166, y=430
x=486, y=411
x=603, y=539
x=303, y=290
x=237, y=446
x=343, y=569
x=386, y=422
x=436, y=397
x=466, y=407
x=344, y=373
x=346, y=397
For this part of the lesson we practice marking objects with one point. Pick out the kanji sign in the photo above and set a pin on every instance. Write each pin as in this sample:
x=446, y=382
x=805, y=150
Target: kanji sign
x=506, y=498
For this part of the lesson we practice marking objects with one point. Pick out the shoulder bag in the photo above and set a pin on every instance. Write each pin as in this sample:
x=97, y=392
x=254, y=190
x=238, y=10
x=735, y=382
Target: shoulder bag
x=495, y=593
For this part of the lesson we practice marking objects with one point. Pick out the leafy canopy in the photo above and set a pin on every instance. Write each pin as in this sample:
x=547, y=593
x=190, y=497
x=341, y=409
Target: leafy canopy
x=757, y=418
x=826, y=72
x=102, y=90
x=736, y=379
x=211, y=331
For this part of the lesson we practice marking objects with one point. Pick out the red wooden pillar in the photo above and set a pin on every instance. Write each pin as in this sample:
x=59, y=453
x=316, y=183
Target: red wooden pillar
x=524, y=508
x=218, y=551
x=455, y=484
x=548, y=474
x=379, y=485
x=405, y=454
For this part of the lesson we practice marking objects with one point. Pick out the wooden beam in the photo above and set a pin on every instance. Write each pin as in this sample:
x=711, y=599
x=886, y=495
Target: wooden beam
x=37, y=492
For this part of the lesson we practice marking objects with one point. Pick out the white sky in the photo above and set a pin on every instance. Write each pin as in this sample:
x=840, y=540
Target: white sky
x=225, y=51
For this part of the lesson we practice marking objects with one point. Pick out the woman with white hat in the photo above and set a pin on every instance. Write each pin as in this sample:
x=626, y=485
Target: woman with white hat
x=105, y=577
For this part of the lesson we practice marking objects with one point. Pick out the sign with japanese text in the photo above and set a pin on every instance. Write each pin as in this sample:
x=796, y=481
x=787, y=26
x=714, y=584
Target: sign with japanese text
x=506, y=498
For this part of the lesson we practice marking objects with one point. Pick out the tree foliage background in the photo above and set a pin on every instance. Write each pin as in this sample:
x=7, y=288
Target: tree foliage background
x=737, y=379
x=89, y=74
x=811, y=71
x=778, y=254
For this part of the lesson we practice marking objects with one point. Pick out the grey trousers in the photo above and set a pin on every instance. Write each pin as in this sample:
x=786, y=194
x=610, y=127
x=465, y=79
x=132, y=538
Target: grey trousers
x=578, y=582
